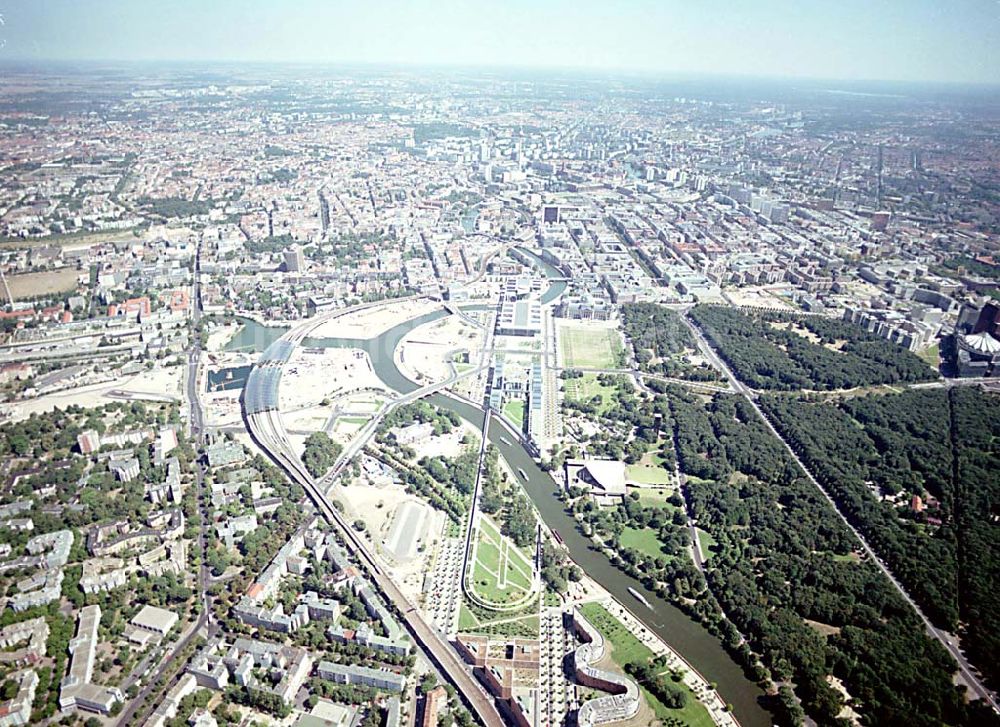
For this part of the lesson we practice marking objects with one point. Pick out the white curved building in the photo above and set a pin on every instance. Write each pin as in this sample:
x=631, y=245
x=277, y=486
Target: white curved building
x=623, y=701
x=978, y=354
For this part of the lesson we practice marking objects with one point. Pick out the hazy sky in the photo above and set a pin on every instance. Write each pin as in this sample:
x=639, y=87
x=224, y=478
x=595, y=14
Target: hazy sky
x=933, y=40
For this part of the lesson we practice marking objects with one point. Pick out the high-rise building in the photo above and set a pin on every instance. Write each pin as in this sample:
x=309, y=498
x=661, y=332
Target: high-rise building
x=879, y=221
x=295, y=261
x=989, y=319
x=324, y=212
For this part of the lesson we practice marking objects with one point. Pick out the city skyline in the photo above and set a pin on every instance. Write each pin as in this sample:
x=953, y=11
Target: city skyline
x=895, y=41
x=527, y=365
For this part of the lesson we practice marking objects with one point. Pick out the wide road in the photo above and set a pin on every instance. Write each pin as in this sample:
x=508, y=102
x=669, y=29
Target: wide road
x=946, y=640
x=197, y=433
x=368, y=431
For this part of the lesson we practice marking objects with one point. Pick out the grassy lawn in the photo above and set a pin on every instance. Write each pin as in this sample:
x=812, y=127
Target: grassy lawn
x=485, y=585
x=647, y=475
x=522, y=560
x=587, y=387
x=931, y=355
x=488, y=555
x=493, y=553
x=644, y=540
x=353, y=420
x=692, y=480
x=589, y=348
x=624, y=645
x=522, y=626
x=693, y=713
x=653, y=458
x=654, y=498
x=489, y=529
x=514, y=410
x=627, y=648
x=517, y=572
x=467, y=620
x=707, y=543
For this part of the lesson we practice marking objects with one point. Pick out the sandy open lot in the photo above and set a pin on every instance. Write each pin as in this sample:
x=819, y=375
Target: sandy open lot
x=330, y=389
x=423, y=355
x=61, y=280
x=159, y=382
x=311, y=376
x=379, y=507
x=222, y=408
x=374, y=321
x=759, y=297
x=222, y=335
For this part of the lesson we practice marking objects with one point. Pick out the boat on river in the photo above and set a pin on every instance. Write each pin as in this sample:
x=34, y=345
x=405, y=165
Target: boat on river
x=640, y=598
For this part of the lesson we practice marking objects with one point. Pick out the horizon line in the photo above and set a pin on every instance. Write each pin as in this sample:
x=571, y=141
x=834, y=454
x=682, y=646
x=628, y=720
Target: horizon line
x=649, y=73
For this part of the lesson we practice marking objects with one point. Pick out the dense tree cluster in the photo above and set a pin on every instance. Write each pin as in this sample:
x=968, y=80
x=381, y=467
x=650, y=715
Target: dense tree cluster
x=971, y=266
x=491, y=499
x=782, y=558
x=659, y=340
x=784, y=575
x=174, y=206
x=61, y=629
x=343, y=693
x=442, y=130
x=976, y=438
x=258, y=547
x=655, y=331
x=457, y=473
x=940, y=446
x=518, y=520
x=765, y=354
x=446, y=484
x=630, y=427
x=198, y=699
x=320, y=453
x=420, y=412
x=660, y=685
x=267, y=702
x=557, y=569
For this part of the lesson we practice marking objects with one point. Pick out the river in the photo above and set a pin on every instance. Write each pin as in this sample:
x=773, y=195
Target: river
x=690, y=639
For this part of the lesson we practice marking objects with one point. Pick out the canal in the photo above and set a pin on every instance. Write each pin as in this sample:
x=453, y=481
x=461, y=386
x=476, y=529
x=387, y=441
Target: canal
x=254, y=337
x=228, y=379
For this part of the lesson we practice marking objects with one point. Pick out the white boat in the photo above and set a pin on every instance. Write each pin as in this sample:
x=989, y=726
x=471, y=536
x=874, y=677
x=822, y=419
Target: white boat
x=505, y=441
x=523, y=475
x=639, y=597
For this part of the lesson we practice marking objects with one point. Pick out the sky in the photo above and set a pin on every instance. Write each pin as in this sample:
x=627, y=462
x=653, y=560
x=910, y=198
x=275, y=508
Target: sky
x=908, y=40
